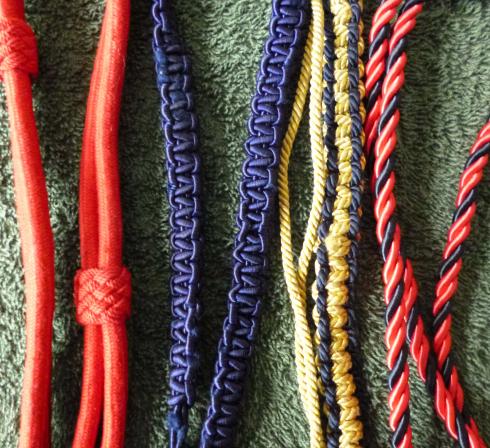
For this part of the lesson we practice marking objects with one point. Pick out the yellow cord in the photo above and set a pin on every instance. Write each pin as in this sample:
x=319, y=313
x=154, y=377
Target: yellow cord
x=338, y=243
x=311, y=70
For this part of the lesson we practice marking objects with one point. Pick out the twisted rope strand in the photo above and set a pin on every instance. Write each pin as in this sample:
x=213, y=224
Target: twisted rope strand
x=459, y=426
x=358, y=163
x=388, y=234
x=452, y=262
x=267, y=126
x=376, y=66
x=179, y=124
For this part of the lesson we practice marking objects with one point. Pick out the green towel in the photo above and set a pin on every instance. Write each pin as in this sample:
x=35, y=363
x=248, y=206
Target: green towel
x=445, y=102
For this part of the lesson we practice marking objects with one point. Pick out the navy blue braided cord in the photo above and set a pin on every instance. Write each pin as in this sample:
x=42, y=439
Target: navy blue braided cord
x=356, y=187
x=271, y=108
x=179, y=123
x=325, y=362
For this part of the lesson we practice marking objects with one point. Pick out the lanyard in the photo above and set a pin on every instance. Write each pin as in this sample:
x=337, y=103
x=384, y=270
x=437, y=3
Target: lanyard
x=18, y=62
x=258, y=187
x=102, y=285
x=405, y=327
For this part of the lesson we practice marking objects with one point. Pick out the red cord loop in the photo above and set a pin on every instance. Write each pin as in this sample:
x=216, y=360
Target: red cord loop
x=18, y=48
x=102, y=295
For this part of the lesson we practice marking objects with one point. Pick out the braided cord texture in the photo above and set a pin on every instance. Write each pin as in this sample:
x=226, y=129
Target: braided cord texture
x=337, y=241
x=327, y=386
x=459, y=426
x=179, y=123
x=357, y=93
x=258, y=187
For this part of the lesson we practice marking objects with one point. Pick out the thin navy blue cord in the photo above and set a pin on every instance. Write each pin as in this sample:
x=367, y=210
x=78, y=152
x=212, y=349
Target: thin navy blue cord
x=258, y=190
x=179, y=123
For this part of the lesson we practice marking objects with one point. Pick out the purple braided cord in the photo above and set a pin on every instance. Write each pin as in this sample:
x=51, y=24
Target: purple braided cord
x=258, y=190
x=179, y=123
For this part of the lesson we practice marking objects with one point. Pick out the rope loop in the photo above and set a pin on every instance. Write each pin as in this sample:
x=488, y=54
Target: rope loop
x=102, y=295
x=18, y=48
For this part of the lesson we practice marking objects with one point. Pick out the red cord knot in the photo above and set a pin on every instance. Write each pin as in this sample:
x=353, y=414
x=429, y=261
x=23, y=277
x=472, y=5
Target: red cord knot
x=102, y=295
x=18, y=49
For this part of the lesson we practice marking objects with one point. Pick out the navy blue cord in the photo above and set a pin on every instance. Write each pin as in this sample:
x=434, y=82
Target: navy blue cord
x=179, y=123
x=271, y=108
x=267, y=125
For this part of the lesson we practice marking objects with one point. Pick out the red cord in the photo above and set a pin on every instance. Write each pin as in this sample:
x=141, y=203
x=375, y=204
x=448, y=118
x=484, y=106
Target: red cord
x=18, y=61
x=448, y=401
x=102, y=286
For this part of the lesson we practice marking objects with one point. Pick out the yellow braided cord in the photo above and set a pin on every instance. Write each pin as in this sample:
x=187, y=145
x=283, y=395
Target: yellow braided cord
x=338, y=242
x=311, y=70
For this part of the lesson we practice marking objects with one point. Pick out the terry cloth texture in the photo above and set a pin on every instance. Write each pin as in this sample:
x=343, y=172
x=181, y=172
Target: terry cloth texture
x=445, y=102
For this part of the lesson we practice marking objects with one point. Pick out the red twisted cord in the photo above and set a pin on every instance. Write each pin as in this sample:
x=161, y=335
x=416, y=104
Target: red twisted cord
x=393, y=273
x=18, y=61
x=453, y=262
x=376, y=66
x=102, y=286
x=448, y=401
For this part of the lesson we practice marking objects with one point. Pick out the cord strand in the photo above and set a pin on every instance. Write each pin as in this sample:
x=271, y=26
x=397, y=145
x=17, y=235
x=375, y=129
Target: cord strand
x=102, y=285
x=267, y=126
x=18, y=62
x=179, y=124
x=459, y=426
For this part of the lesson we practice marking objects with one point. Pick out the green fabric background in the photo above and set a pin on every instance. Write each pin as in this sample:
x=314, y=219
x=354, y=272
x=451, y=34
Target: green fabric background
x=445, y=102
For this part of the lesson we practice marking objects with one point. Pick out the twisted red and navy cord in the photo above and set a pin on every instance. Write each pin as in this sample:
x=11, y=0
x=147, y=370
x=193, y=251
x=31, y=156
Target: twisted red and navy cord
x=258, y=187
x=448, y=401
x=179, y=123
x=388, y=231
x=452, y=263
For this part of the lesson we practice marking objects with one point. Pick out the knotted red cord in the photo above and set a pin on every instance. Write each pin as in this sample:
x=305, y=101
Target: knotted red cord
x=18, y=61
x=102, y=286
